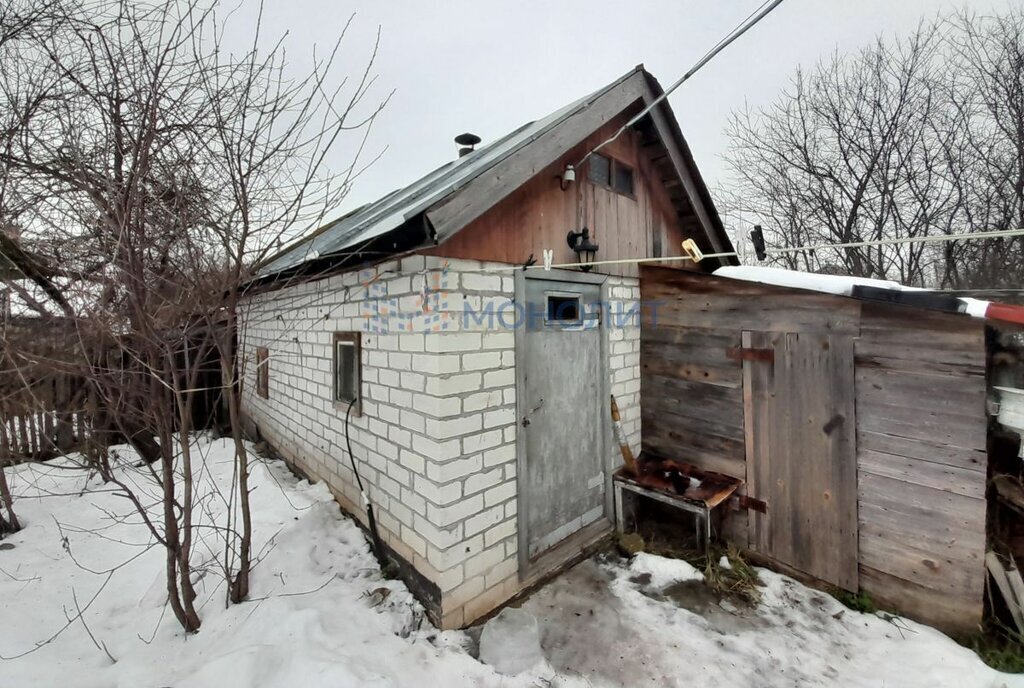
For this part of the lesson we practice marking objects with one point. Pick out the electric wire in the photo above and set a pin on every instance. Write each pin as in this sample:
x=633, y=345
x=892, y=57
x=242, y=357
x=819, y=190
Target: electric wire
x=761, y=12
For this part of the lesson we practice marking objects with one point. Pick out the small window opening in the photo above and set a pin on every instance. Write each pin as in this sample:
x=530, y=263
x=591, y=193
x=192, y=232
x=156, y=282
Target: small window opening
x=600, y=169
x=347, y=364
x=622, y=179
x=563, y=308
x=611, y=174
x=263, y=372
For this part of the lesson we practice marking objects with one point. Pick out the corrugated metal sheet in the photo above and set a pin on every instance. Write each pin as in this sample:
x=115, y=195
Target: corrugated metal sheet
x=391, y=211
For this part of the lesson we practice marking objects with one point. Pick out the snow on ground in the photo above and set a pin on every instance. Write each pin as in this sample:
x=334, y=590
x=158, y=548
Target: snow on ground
x=319, y=614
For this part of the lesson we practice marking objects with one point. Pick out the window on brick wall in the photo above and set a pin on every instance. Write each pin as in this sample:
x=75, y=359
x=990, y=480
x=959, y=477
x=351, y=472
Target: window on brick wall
x=347, y=370
x=262, y=372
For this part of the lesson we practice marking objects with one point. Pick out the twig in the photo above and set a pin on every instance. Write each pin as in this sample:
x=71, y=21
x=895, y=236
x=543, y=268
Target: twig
x=81, y=616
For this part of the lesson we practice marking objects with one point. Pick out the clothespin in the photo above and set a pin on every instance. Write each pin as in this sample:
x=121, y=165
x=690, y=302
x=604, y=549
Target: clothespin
x=529, y=261
x=757, y=239
x=549, y=257
x=691, y=249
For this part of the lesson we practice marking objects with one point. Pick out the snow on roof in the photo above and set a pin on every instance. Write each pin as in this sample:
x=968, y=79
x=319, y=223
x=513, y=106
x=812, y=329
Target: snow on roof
x=842, y=285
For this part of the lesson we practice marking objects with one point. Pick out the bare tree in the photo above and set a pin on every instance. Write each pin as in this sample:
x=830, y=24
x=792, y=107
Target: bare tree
x=845, y=155
x=986, y=89
x=156, y=169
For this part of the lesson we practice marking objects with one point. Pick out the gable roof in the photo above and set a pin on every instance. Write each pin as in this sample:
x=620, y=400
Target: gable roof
x=434, y=208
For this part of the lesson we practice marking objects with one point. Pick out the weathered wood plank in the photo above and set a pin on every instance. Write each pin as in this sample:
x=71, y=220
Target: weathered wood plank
x=942, y=394
x=841, y=429
x=954, y=569
x=954, y=431
x=690, y=370
x=906, y=325
x=738, y=312
x=695, y=421
x=954, y=613
x=665, y=386
x=803, y=463
x=926, y=449
x=705, y=451
x=888, y=356
x=701, y=355
x=759, y=380
x=962, y=481
x=691, y=336
x=914, y=508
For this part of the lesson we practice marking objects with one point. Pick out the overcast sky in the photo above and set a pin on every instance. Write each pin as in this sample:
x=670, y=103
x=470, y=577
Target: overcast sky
x=487, y=67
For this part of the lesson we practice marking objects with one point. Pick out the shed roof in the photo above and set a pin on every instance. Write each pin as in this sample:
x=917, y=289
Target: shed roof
x=875, y=290
x=459, y=191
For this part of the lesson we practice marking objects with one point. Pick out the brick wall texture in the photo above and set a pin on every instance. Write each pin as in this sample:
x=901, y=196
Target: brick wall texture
x=435, y=442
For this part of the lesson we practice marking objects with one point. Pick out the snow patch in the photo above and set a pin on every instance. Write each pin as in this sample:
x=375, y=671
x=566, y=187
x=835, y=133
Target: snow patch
x=510, y=642
x=663, y=572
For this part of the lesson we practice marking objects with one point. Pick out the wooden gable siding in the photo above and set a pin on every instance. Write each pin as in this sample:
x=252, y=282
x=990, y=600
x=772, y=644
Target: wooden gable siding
x=919, y=386
x=538, y=215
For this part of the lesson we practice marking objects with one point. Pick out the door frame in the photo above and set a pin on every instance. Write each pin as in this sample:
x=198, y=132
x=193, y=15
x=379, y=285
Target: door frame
x=567, y=549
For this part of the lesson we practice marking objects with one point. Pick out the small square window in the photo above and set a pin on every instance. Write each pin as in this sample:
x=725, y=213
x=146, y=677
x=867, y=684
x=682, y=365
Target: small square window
x=347, y=370
x=611, y=174
x=263, y=372
x=563, y=308
x=600, y=169
x=622, y=178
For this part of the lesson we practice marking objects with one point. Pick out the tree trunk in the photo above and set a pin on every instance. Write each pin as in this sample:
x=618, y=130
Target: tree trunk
x=240, y=586
x=10, y=524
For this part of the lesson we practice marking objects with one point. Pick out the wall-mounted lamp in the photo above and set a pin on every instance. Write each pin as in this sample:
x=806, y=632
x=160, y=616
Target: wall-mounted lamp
x=585, y=249
x=567, y=177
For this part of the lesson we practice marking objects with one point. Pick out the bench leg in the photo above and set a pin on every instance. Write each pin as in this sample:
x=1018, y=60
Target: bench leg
x=619, y=520
x=707, y=533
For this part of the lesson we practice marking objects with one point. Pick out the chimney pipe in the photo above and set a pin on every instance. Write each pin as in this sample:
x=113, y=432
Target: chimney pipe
x=466, y=143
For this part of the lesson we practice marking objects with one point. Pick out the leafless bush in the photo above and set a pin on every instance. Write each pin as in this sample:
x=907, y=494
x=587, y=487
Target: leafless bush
x=156, y=169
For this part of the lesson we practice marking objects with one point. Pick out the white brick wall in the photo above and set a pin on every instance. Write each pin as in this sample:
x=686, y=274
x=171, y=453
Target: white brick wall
x=435, y=444
x=624, y=357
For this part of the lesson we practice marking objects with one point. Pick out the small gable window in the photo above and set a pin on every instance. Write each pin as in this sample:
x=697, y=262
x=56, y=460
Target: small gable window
x=347, y=370
x=622, y=178
x=612, y=174
x=600, y=170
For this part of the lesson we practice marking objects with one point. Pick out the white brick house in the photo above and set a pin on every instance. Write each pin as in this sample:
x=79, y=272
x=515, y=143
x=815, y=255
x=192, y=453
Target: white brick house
x=480, y=424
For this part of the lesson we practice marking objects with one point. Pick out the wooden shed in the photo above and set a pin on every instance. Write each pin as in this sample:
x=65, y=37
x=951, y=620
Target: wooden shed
x=861, y=425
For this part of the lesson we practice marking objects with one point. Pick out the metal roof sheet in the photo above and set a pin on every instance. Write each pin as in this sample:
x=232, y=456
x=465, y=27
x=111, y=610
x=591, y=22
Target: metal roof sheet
x=390, y=212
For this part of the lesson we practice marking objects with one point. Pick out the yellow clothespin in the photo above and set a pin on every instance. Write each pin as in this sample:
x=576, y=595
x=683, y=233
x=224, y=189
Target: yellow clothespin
x=691, y=249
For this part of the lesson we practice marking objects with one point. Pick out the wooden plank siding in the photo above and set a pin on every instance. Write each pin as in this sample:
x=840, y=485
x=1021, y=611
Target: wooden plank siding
x=921, y=438
x=918, y=382
x=538, y=215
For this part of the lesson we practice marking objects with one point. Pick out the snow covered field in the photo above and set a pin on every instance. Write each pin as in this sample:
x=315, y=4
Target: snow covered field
x=321, y=615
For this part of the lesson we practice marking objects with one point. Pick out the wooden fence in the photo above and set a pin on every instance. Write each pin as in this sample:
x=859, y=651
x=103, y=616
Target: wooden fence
x=43, y=417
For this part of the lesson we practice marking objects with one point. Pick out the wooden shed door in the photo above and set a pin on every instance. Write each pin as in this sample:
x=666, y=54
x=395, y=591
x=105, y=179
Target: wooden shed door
x=562, y=404
x=801, y=451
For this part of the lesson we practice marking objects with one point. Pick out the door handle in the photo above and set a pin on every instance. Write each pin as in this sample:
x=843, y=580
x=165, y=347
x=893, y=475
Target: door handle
x=526, y=418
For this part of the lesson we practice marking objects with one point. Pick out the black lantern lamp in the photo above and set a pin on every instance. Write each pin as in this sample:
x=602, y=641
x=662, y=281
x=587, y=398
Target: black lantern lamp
x=585, y=249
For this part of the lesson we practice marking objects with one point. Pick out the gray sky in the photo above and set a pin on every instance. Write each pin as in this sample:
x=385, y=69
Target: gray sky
x=487, y=67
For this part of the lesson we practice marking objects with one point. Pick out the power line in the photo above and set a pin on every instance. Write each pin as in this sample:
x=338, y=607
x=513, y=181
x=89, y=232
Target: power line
x=761, y=12
x=903, y=240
